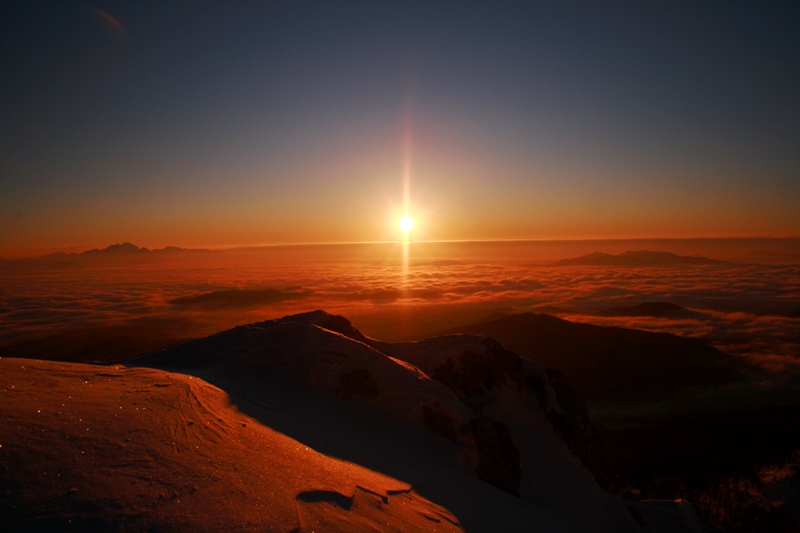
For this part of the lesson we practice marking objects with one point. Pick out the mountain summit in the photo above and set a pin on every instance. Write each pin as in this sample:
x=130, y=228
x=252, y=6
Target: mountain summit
x=511, y=422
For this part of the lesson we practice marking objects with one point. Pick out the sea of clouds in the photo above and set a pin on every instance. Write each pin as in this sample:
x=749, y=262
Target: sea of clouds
x=747, y=310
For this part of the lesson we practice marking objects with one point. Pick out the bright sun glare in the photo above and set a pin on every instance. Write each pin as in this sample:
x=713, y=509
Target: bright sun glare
x=406, y=223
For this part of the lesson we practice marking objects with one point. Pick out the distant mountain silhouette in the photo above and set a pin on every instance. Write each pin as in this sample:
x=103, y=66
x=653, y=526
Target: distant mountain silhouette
x=124, y=248
x=651, y=309
x=237, y=298
x=636, y=258
x=127, y=248
x=116, y=252
x=610, y=363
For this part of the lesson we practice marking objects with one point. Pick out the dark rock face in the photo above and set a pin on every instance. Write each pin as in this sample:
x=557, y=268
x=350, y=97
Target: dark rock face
x=510, y=363
x=439, y=422
x=471, y=377
x=572, y=423
x=474, y=375
x=574, y=426
x=499, y=459
x=480, y=372
x=483, y=371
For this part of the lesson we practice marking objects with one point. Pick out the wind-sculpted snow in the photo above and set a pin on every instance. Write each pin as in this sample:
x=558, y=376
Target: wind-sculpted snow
x=483, y=409
x=88, y=448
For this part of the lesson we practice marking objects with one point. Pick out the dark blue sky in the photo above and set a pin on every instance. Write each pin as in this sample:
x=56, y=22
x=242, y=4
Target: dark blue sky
x=222, y=123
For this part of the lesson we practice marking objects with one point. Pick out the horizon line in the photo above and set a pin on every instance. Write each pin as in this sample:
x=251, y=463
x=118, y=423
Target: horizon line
x=221, y=248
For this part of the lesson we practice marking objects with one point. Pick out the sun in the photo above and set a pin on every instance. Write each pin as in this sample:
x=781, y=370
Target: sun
x=406, y=223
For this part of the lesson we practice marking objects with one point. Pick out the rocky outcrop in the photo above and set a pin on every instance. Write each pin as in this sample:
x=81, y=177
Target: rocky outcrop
x=480, y=371
x=499, y=458
x=572, y=423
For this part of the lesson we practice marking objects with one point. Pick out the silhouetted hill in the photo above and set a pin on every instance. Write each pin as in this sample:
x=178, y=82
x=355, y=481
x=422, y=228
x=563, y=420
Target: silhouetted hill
x=636, y=258
x=123, y=252
x=552, y=310
x=238, y=298
x=610, y=363
x=651, y=309
x=124, y=248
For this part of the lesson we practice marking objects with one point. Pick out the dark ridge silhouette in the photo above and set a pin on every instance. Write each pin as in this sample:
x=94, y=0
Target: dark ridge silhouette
x=611, y=363
x=128, y=248
x=124, y=252
x=124, y=248
x=651, y=309
x=636, y=258
x=237, y=298
x=546, y=309
x=552, y=310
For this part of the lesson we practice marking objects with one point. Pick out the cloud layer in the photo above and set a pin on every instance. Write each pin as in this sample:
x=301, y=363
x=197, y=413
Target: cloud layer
x=746, y=310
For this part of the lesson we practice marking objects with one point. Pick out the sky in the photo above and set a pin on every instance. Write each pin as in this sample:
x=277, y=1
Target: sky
x=217, y=124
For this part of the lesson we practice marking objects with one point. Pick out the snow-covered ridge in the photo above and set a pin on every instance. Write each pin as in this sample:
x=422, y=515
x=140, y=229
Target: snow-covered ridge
x=510, y=421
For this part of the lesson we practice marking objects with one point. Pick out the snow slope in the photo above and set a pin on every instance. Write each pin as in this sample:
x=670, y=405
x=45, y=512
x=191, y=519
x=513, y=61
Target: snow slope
x=114, y=448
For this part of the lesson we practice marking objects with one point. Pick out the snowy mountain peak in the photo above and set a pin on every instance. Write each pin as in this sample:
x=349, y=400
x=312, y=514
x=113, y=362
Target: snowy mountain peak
x=506, y=419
